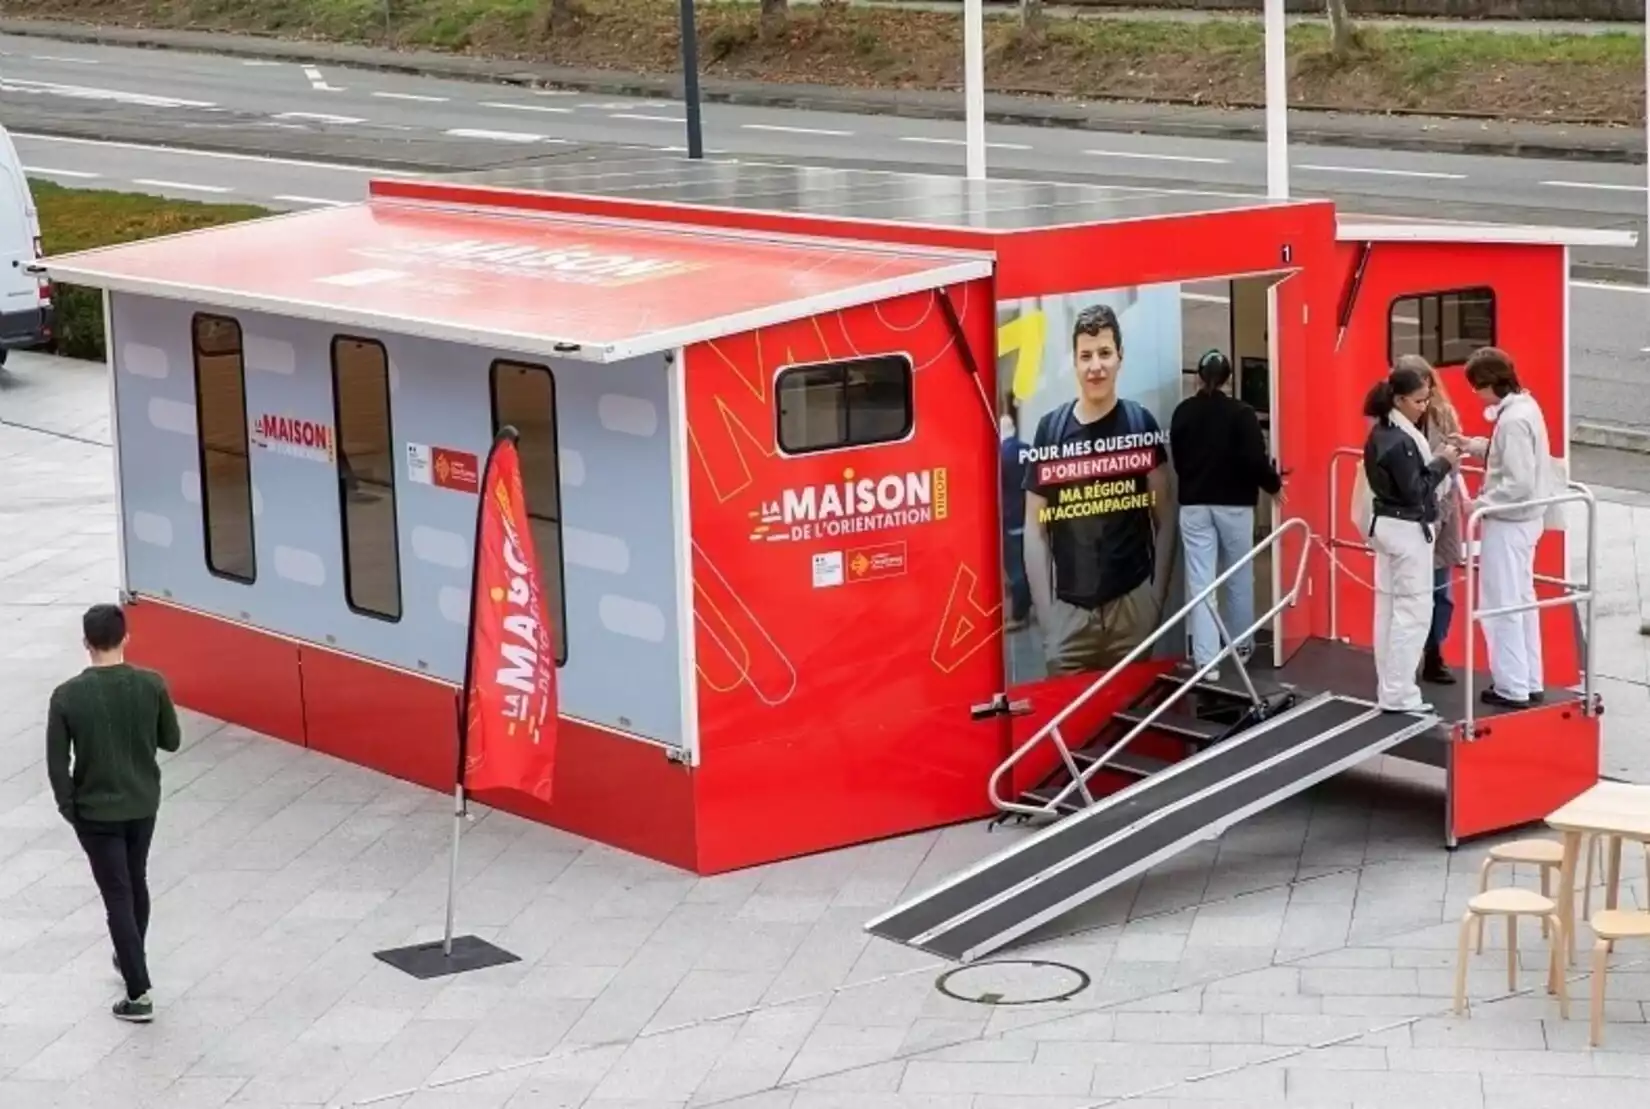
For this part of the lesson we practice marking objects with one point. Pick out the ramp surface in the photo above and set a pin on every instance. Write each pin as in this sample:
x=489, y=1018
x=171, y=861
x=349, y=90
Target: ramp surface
x=1103, y=846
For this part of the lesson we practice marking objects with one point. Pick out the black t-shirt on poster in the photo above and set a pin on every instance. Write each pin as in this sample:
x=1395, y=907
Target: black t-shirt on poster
x=1098, y=512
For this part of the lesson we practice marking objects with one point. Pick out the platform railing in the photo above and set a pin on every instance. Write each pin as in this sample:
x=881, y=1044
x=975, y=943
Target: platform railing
x=1051, y=731
x=1337, y=542
x=1577, y=593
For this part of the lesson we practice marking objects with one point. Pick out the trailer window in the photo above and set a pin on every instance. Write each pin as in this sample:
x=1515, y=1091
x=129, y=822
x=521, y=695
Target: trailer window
x=225, y=464
x=366, y=477
x=524, y=397
x=1444, y=328
x=844, y=404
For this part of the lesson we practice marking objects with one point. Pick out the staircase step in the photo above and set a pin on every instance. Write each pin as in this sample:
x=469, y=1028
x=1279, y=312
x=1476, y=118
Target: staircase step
x=1181, y=724
x=1043, y=794
x=1124, y=762
x=1229, y=687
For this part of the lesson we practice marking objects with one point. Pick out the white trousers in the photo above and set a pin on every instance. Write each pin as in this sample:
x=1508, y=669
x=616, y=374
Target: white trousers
x=1215, y=537
x=1403, y=609
x=1507, y=577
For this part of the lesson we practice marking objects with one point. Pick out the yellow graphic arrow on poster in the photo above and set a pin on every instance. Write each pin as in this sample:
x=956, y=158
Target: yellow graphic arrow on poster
x=1024, y=335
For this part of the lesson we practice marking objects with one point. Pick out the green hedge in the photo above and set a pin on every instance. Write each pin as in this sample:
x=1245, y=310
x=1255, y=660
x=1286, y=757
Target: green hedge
x=80, y=219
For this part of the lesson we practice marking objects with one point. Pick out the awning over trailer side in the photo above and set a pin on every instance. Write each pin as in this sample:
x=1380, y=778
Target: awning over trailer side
x=1394, y=229
x=599, y=290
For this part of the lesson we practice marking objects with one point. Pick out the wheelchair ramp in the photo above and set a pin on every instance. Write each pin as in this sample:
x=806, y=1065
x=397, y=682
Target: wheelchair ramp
x=1076, y=860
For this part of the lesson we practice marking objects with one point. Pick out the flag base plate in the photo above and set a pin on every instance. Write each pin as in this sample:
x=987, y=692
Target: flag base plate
x=428, y=960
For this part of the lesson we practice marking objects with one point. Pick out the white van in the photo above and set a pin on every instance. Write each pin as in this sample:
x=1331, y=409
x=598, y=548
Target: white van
x=25, y=300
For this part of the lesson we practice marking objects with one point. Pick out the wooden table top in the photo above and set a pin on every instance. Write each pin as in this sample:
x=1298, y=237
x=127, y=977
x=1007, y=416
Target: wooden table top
x=1614, y=808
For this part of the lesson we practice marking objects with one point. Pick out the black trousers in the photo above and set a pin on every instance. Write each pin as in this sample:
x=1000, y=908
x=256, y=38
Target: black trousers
x=119, y=854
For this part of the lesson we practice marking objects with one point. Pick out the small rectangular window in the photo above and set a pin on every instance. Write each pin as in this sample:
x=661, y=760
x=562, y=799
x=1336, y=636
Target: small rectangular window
x=225, y=463
x=844, y=404
x=524, y=397
x=1444, y=328
x=366, y=477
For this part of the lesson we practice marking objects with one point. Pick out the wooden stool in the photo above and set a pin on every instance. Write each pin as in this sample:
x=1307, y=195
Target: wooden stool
x=1548, y=856
x=1609, y=926
x=1512, y=903
x=1545, y=854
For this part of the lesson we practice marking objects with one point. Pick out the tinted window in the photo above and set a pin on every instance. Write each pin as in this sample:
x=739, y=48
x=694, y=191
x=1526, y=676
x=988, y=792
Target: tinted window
x=844, y=404
x=366, y=477
x=1444, y=328
x=225, y=465
x=524, y=397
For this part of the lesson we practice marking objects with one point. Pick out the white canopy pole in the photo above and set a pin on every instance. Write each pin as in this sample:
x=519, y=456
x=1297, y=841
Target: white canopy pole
x=974, y=85
x=1277, y=103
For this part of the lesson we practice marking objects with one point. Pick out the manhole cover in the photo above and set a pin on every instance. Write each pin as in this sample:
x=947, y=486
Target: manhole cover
x=1013, y=982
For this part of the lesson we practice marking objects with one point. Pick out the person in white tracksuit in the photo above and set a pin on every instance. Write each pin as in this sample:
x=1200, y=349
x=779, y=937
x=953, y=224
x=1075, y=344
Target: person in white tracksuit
x=1518, y=469
x=1404, y=479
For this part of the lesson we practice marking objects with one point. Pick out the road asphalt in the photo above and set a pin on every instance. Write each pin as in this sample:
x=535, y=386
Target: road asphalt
x=289, y=134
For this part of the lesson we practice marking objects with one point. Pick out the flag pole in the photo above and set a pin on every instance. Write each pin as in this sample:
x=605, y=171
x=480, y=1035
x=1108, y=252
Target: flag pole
x=974, y=87
x=505, y=434
x=1276, y=32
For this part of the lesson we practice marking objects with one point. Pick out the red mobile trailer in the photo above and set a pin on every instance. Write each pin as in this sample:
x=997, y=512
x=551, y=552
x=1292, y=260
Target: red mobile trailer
x=773, y=412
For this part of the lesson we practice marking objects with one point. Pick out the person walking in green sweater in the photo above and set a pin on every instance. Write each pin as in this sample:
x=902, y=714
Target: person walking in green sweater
x=103, y=729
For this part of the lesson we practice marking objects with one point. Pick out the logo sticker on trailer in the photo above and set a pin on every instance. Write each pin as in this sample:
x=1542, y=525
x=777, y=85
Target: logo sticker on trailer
x=293, y=437
x=443, y=468
x=854, y=506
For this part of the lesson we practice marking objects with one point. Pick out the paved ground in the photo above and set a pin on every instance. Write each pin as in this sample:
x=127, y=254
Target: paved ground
x=1304, y=960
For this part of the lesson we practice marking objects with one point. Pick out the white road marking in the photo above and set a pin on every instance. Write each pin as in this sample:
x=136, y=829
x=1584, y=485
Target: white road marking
x=187, y=185
x=69, y=61
x=962, y=142
x=84, y=92
x=318, y=82
x=341, y=167
x=259, y=62
x=1594, y=185
x=321, y=200
x=498, y=136
x=1383, y=172
x=1609, y=287
x=412, y=96
x=647, y=119
x=46, y=171
x=1158, y=157
x=792, y=130
x=320, y=117
x=526, y=107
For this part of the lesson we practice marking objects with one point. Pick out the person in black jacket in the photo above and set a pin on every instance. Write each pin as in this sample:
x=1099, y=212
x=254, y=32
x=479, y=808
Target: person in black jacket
x=1404, y=481
x=1221, y=464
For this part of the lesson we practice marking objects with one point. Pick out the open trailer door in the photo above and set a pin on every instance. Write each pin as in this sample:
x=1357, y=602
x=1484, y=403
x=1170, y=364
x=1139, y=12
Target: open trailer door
x=1444, y=291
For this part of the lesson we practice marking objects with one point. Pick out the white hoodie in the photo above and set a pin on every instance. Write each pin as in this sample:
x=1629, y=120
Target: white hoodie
x=1518, y=463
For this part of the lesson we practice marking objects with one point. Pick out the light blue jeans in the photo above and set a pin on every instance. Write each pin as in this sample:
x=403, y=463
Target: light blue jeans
x=1217, y=536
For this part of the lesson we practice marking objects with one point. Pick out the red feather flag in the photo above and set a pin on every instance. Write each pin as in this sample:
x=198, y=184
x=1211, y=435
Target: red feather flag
x=508, y=722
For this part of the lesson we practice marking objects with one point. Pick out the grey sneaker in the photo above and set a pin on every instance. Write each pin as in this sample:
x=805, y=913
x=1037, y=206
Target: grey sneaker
x=138, y=1011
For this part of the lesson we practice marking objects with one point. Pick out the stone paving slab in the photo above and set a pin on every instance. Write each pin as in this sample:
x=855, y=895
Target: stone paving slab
x=1306, y=959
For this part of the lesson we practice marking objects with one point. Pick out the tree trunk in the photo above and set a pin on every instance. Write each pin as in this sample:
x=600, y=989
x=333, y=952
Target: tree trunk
x=775, y=14
x=555, y=14
x=1342, y=34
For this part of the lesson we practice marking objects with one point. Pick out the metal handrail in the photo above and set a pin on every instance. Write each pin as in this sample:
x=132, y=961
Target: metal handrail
x=1578, y=493
x=1575, y=593
x=1336, y=543
x=1081, y=777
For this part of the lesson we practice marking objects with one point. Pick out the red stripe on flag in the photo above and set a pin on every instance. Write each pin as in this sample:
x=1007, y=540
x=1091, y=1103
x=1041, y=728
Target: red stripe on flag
x=510, y=696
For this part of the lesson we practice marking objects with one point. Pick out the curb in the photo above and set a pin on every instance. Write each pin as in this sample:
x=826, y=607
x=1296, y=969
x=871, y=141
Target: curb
x=1611, y=436
x=1362, y=133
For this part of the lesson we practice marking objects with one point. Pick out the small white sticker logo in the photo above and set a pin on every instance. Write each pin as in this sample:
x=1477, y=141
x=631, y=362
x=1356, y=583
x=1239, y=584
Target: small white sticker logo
x=827, y=569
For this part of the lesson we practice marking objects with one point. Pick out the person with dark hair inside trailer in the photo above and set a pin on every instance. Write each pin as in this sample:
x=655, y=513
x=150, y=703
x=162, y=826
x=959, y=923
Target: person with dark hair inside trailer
x=1100, y=518
x=1404, y=479
x=103, y=728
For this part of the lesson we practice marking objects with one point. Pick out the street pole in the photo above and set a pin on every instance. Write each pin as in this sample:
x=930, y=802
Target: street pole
x=690, y=81
x=974, y=86
x=1277, y=103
